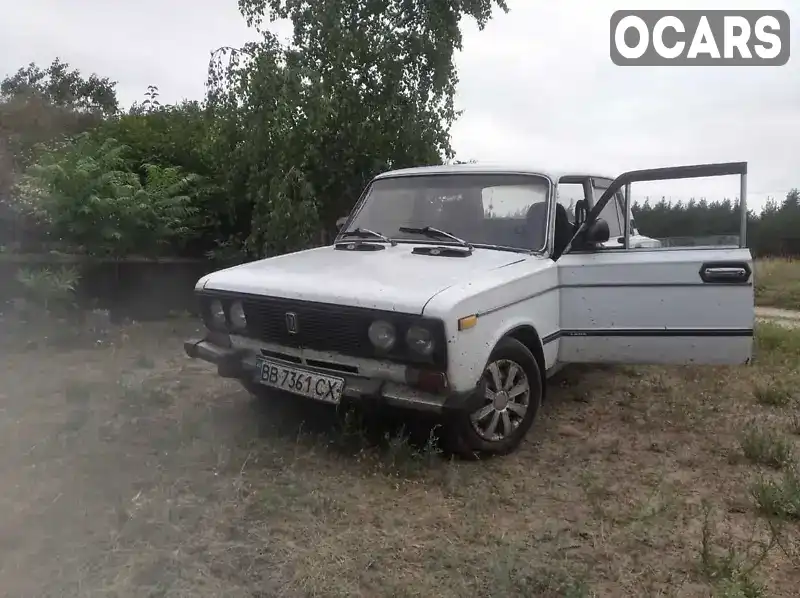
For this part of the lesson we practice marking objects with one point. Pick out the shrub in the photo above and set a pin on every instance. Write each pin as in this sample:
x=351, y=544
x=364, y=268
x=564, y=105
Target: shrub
x=766, y=447
x=779, y=498
x=48, y=288
x=89, y=199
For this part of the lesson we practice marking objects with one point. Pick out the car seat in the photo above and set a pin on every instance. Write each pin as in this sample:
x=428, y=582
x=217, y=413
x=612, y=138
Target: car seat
x=564, y=230
x=535, y=225
x=460, y=218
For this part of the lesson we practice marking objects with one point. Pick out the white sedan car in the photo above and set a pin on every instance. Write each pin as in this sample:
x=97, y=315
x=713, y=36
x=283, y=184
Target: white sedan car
x=460, y=289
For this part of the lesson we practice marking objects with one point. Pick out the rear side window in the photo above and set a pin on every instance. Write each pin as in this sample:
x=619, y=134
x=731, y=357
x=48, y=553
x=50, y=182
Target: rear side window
x=569, y=194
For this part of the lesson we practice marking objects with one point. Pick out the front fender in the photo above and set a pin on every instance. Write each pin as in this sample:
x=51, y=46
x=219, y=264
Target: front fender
x=521, y=294
x=471, y=354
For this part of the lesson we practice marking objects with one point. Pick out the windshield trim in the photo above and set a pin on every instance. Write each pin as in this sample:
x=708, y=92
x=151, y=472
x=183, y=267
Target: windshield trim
x=545, y=250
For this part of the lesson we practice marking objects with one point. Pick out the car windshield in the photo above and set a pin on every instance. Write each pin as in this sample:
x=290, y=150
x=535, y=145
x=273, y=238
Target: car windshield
x=499, y=210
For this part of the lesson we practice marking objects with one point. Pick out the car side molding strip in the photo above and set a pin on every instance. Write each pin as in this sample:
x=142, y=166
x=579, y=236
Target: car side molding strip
x=651, y=333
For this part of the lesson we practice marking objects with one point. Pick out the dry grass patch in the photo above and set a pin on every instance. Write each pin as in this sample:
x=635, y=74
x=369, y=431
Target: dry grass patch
x=764, y=446
x=732, y=570
x=778, y=283
x=779, y=497
x=773, y=394
x=196, y=490
x=607, y=498
x=777, y=345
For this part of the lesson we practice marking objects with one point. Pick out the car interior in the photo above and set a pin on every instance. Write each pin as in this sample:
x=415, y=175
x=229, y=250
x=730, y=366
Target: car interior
x=564, y=230
x=461, y=218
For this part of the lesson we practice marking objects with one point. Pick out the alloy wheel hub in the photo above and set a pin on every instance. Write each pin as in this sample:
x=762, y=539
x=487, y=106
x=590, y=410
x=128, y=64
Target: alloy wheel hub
x=501, y=401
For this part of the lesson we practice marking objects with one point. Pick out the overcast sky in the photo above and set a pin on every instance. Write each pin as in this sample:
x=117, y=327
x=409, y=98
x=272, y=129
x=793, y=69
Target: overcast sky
x=537, y=85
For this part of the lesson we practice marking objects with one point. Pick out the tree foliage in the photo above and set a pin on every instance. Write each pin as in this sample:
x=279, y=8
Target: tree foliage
x=282, y=145
x=263, y=116
x=778, y=229
x=171, y=135
x=363, y=87
x=289, y=134
x=389, y=46
x=86, y=195
x=775, y=231
x=178, y=136
x=38, y=106
x=64, y=87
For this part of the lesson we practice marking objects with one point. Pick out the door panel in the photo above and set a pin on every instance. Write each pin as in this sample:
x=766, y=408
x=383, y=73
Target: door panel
x=656, y=305
x=659, y=307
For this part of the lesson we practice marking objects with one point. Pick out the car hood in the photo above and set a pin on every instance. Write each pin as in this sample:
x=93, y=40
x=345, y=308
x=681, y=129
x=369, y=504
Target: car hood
x=393, y=279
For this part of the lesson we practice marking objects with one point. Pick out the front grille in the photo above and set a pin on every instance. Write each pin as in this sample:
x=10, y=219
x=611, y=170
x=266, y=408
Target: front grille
x=326, y=327
x=318, y=326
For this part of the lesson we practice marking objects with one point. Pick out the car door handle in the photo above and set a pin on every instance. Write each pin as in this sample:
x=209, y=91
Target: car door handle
x=726, y=272
x=730, y=273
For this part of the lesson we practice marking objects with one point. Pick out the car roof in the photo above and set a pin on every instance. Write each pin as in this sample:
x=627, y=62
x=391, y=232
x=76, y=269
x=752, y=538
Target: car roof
x=554, y=174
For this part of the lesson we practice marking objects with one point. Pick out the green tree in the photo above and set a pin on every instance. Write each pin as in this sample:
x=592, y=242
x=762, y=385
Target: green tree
x=364, y=86
x=41, y=105
x=386, y=69
x=64, y=87
x=264, y=115
x=178, y=135
x=773, y=232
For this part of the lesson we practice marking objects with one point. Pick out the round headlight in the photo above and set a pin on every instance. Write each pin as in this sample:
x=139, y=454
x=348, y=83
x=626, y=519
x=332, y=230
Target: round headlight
x=420, y=340
x=238, y=319
x=217, y=312
x=382, y=335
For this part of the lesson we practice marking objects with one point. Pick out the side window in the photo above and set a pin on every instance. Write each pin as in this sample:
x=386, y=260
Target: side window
x=671, y=213
x=568, y=195
x=685, y=213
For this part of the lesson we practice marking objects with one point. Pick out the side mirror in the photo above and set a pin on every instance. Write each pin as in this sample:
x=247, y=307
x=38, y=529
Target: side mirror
x=340, y=222
x=598, y=232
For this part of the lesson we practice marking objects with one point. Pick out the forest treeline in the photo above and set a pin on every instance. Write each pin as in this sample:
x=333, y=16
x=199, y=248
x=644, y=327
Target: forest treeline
x=775, y=231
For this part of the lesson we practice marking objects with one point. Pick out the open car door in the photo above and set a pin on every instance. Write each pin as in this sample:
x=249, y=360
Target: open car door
x=620, y=304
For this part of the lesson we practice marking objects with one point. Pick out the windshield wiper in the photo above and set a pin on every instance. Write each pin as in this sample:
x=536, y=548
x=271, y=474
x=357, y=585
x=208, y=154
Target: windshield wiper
x=436, y=233
x=365, y=232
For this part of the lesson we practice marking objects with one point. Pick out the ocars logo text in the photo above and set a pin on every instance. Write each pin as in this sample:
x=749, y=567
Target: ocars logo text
x=700, y=37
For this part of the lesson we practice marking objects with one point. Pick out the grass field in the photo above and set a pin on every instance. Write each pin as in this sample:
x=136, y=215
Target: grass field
x=778, y=283
x=129, y=470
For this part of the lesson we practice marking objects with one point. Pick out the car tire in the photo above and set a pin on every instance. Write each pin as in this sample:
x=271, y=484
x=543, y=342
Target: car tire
x=517, y=370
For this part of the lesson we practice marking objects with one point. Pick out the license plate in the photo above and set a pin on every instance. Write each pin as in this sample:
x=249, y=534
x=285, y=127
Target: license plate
x=301, y=382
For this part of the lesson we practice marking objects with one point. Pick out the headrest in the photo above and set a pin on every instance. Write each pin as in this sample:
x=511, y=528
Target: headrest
x=537, y=212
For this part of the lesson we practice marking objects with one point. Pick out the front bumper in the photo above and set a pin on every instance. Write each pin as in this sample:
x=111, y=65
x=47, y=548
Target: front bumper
x=382, y=383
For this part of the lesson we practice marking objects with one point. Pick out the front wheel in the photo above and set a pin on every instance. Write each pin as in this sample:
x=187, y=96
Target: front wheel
x=510, y=392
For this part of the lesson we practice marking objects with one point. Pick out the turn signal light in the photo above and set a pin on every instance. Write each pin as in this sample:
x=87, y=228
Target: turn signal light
x=427, y=380
x=467, y=322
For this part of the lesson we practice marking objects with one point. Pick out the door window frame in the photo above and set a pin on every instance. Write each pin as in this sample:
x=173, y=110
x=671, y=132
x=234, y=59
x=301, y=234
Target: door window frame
x=623, y=207
x=623, y=222
x=623, y=183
